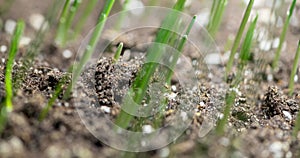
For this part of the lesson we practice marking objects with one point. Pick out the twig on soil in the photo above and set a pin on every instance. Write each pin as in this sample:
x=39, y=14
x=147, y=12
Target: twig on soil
x=283, y=35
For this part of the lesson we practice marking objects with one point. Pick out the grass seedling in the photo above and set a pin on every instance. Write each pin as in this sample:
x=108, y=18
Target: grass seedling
x=62, y=23
x=139, y=86
x=73, y=10
x=294, y=70
x=238, y=37
x=91, y=45
x=86, y=13
x=9, y=65
x=122, y=14
x=283, y=35
x=118, y=53
x=7, y=106
x=35, y=45
x=243, y=60
x=216, y=14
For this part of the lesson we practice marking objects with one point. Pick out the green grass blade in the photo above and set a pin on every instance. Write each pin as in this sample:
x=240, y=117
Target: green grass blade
x=238, y=37
x=9, y=65
x=296, y=127
x=91, y=45
x=35, y=45
x=118, y=52
x=216, y=14
x=294, y=70
x=86, y=13
x=283, y=35
x=62, y=23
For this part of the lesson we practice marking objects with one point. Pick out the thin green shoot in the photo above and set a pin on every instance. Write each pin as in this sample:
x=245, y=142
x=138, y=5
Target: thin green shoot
x=238, y=38
x=82, y=20
x=296, y=127
x=283, y=35
x=243, y=58
x=56, y=93
x=294, y=70
x=139, y=86
x=9, y=65
x=70, y=18
x=118, y=52
x=35, y=45
x=122, y=14
x=91, y=45
x=62, y=23
x=179, y=50
x=216, y=14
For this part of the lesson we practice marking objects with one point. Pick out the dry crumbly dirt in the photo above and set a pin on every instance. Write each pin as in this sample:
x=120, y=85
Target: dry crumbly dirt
x=260, y=125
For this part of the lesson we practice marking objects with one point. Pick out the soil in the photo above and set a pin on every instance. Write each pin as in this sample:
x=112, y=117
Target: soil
x=260, y=125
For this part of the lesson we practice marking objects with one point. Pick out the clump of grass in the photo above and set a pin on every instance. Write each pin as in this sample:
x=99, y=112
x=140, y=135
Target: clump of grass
x=238, y=38
x=216, y=14
x=91, y=45
x=35, y=45
x=139, y=86
x=66, y=19
x=283, y=35
x=7, y=106
x=294, y=70
x=243, y=60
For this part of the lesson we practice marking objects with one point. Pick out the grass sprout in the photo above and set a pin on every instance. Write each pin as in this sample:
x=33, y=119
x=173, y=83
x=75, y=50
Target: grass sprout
x=118, y=53
x=294, y=70
x=62, y=23
x=283, y=35
x=35, y=45
x=216, y=14
x=91, y=45
x=238, y=37
x=243, y=59
x=9, y=65
x=82, y=20
x=139, y=86
x=7, y=106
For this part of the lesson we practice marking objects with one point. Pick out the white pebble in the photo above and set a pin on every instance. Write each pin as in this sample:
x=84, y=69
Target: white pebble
x=224, y=141
x=36, y=21
x=3, y=48
x=24, y=41
x=276, y=42
x=174, y=88
x=126, y=55
x=184, y=115
x=266, y=16
x=67, y=54
x=9, y=26
x=203, y=17
x=276, y=149
x=265, y=45
x=105, y=109
x=133, y=5
x=164, y=152
x=147, y=129
x=202, y=104
x=171, y=96
x=296, y=78
x=213, y=59
x=287, y=115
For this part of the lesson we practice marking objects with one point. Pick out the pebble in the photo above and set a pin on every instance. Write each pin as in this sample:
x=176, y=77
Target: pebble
x=203, y=17
x=133, y=5
x=296, y=78
x=126, y=55
x=224, y=141
x=164, y=152
x=24, y=41
x=275, y=148
x=287, y=115
x=173, y=87
x=275, y=43
x=67, y=54
x=105, y=109
x=184, y=115
x=36, y=21
x=147, y=129
x=9, y=26
x=266, y=16
x=213, y=59
x=265, y=45
x=3, y=48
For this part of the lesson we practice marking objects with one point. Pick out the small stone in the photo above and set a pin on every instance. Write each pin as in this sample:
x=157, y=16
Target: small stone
x=3, y=48
x=24, y=41
x=164, y=152
x=105, y=109
x=296, y=78
x=126, y=55
x=275, y=43
x=67, y=54
x=133, y=5
x=287, y=115
x=265, y=45
x=203, y=17
x=213, y=59
x=9, y=26
x=36, y=21
x=276, y=149
x=224, y=141
x=173, y=88
x=147, y=129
